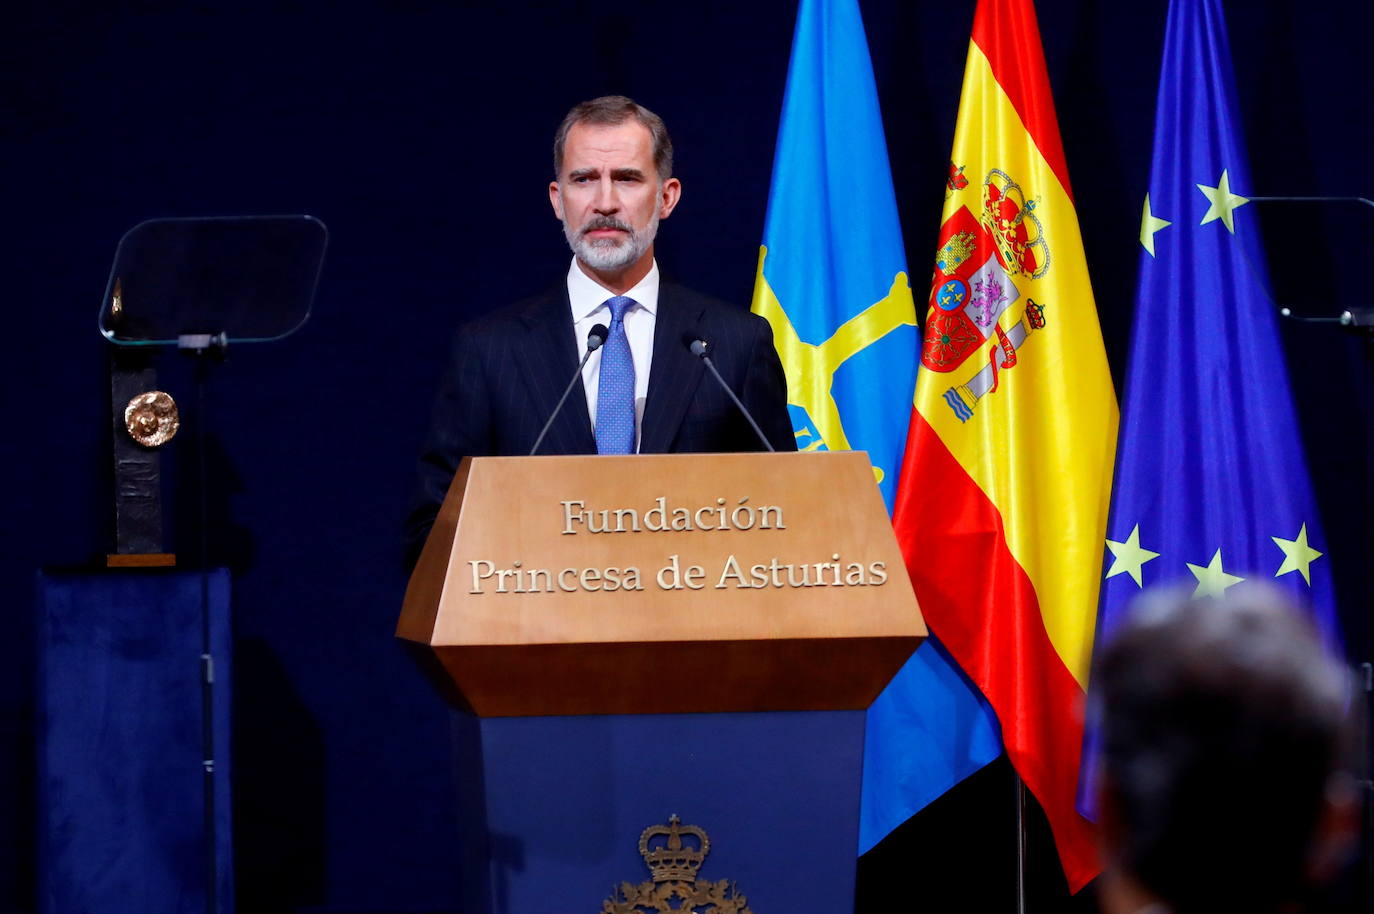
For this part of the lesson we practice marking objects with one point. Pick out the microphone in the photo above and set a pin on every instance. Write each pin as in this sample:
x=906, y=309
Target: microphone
x=701, y=349
x=595, y=338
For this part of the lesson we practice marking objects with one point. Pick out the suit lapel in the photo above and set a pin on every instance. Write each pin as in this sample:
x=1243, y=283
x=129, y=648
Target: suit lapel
x=675, y=372
x=547, y=360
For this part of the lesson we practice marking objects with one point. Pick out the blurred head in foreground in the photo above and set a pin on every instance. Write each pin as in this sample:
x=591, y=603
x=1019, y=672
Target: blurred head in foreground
x=1223, y=743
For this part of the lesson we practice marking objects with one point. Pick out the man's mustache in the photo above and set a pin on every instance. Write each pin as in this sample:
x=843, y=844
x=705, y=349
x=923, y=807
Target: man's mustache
x=606, y=222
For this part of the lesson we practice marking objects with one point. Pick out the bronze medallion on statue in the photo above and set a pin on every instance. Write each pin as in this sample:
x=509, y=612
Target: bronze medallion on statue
x=152, y=418
x=674, y=887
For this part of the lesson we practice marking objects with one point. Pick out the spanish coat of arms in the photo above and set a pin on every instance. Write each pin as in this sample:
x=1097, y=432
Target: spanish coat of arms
x=975, y=301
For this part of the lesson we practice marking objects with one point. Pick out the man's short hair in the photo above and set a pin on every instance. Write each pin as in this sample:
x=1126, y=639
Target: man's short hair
x=612, y=111
x=1223, y=721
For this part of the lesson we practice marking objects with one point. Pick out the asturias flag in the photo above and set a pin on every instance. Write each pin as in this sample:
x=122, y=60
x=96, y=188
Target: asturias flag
x=1004, y=494
x=832, y=281
x=1212, y=487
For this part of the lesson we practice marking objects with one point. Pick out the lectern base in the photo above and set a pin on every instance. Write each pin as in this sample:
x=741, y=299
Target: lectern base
x=554, y=806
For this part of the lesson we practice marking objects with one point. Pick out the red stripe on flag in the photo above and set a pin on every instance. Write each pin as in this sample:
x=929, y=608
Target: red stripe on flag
x=983, y=607
x=1007, y=33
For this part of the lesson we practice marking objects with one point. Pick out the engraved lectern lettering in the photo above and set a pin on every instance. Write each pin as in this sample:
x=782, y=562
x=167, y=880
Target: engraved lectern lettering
x=661, y=518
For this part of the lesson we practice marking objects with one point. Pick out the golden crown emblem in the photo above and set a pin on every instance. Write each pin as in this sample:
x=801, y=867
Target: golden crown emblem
x=674, y=888
x=671, y=860
x=1015, y=228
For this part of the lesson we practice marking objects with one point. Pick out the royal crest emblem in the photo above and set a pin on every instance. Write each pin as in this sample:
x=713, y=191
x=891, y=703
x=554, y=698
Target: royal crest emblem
x=673, y=864
x=964, y=254
x=974, y=294
x=1015, y=228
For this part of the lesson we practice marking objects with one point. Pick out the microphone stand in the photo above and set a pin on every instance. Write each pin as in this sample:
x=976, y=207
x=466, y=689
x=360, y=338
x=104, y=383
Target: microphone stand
x=699, y=349
x=595, y=339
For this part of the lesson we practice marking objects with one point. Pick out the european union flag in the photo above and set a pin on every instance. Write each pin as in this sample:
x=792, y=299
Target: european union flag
x=1211, y=484
x=832, y=282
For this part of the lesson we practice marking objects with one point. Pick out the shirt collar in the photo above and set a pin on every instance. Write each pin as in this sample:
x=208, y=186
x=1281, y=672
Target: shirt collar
x=585, y=294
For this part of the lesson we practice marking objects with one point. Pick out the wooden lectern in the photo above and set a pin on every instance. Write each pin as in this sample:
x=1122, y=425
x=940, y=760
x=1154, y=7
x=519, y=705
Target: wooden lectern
x=627, y=630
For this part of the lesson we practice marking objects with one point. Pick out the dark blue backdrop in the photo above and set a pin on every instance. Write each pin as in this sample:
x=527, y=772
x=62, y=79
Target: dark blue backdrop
x=419, y=132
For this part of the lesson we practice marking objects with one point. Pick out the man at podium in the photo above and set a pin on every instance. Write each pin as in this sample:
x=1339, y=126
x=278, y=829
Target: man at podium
x=643, y=387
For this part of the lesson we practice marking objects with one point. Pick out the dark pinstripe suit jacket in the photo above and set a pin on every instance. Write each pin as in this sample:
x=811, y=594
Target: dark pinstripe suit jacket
x=509, y=368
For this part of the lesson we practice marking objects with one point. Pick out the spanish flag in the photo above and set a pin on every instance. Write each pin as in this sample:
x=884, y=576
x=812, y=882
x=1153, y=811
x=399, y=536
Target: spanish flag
x=1002, y=505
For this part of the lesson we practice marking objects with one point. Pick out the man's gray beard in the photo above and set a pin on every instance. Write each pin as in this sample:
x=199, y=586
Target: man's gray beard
x=607, y=255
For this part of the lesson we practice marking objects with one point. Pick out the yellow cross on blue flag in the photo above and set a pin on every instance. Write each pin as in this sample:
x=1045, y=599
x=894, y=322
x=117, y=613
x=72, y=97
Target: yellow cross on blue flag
x=832, y=282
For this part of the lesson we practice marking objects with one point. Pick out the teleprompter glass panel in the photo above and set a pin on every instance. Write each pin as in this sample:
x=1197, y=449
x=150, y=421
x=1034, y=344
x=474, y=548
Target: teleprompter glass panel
x=247, y=278
x=1316, y=251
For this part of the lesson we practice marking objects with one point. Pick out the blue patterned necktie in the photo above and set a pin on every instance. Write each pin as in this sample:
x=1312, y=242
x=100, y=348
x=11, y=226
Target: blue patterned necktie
x=615, y=391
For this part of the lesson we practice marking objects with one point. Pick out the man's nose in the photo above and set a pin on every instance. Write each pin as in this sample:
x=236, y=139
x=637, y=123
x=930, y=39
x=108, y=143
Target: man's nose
x=606, y=200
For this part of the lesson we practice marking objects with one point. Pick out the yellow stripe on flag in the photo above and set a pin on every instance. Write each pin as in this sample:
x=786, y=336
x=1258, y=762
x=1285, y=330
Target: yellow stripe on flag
x=1047, y=434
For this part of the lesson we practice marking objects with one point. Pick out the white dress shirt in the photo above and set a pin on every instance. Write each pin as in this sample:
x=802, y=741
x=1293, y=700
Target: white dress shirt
x=588, y=299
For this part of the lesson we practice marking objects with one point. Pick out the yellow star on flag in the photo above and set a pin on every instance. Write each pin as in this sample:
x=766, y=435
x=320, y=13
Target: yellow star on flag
x=1149, y=224
x=1128, y=556
x=1222, y=203
x=1212, y=581
x=1297, y=555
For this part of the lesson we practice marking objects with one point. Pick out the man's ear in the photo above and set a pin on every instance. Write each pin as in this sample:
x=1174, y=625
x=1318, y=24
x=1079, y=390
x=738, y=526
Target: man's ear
x=556, y=199
x=668, y=195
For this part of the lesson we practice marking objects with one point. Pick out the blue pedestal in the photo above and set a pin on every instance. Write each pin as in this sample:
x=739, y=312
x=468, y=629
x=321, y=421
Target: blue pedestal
x=121, y=821
x=555, y=805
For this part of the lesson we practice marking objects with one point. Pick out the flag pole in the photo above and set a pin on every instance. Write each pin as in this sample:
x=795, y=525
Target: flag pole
x=1366, y=689
x=1020, y=842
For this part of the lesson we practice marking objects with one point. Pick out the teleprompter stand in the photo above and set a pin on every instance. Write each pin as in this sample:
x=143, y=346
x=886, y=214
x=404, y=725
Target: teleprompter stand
x=197, y=285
